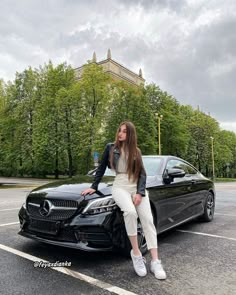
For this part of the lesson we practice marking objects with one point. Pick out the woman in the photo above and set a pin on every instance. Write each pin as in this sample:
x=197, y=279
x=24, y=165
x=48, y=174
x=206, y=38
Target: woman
x=129, y=193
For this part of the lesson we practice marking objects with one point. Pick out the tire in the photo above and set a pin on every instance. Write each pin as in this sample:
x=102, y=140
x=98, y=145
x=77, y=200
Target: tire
x=209, y=208
x=141, y=238
x=141, y=242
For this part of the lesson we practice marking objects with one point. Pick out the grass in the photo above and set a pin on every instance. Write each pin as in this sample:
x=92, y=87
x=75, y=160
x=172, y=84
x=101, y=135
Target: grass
x=7, y=186
x=222, y=179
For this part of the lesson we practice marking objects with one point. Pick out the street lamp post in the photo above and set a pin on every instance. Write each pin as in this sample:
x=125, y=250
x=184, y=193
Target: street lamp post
x=212, y=154
x=159, y=117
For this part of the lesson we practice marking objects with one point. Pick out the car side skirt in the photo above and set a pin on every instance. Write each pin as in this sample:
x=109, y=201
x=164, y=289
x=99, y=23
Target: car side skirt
x=179, y=223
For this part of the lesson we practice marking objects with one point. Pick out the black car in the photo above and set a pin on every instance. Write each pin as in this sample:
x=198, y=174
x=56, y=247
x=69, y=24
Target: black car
x=58, y=214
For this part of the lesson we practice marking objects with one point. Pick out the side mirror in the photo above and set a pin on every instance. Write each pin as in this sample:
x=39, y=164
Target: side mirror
x=176, y=172
x=170, y=174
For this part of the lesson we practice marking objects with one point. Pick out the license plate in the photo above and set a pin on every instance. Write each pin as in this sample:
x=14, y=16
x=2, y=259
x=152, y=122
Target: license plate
x=48, y=227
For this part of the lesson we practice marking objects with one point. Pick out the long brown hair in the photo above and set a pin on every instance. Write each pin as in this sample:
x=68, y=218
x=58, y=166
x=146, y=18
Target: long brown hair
x=131, y=150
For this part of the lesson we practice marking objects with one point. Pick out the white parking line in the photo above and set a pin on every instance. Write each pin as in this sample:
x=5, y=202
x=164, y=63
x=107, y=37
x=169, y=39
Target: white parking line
x=226, y=185
x=11, y=202
x=72, y=273
x=231, y=215
x=204, y=234
x=9, y=209
x=6, y=224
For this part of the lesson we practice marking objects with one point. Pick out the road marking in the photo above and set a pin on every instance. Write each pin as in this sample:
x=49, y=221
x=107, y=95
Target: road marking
x=225, y=185
x=75, y=274
x=204, y=234
x=9, y=209
x=12, y=202
x=231, y=215
x=6, y=224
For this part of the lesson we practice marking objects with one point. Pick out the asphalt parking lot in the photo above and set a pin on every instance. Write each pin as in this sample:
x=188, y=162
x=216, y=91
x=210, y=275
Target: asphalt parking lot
x=199, y=258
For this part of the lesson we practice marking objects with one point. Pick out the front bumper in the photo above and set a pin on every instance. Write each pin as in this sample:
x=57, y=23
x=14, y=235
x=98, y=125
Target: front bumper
x=92, y=233
x=79, y=245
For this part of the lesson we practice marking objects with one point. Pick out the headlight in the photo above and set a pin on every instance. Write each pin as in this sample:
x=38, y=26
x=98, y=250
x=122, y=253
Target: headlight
x=100, y=206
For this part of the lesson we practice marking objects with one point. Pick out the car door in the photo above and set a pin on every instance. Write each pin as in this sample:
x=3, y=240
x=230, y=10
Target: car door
x=179, y=196
x=199, y=190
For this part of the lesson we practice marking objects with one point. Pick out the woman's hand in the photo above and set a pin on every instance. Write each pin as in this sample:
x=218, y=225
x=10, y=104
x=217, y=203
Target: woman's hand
x=137, y=199
x=88, y=191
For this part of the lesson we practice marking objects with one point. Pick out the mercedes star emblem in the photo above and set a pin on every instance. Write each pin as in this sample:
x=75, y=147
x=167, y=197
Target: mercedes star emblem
x=45, y=208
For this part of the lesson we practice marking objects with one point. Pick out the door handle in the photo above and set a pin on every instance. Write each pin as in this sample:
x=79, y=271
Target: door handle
x=193, y=181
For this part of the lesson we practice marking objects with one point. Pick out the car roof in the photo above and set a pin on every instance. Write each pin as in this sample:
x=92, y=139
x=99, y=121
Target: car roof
x=166, y=157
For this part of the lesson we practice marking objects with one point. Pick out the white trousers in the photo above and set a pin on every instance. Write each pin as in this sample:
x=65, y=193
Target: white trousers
x=122, y=192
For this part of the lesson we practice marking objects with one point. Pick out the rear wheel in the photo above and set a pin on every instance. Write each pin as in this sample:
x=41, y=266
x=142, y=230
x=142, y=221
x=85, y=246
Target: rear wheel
x=209, y=208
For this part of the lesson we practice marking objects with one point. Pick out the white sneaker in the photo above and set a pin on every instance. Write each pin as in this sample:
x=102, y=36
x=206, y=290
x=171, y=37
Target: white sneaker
x=139, y=264
x=157, y=269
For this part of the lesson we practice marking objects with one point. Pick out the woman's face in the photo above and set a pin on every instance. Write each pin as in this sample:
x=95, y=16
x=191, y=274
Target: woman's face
x=122, y=133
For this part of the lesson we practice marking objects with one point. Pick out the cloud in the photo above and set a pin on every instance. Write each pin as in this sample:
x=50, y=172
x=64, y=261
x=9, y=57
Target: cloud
x=228, y=126
x=187, y=47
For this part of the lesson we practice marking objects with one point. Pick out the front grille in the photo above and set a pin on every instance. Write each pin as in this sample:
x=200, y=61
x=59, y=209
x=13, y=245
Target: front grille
x=61, y=210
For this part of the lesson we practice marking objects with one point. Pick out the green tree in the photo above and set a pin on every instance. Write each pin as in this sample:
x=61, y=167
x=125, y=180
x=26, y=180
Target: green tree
x=48, y=143
x=174, y=133
x=25, y=98
x=70, y=118
x=94, y=98
x=201, y=127
x=51, y=123
x=130, y=103
x=225, y=150
x=8, y=125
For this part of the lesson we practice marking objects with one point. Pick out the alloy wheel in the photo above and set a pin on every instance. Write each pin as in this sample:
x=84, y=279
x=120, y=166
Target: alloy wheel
x=210, y=206
x=141, y=238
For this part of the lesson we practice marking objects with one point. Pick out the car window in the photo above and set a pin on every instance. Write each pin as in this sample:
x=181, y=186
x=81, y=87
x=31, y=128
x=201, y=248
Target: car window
x=191, y=170
x=174, y=163
x=151, y=164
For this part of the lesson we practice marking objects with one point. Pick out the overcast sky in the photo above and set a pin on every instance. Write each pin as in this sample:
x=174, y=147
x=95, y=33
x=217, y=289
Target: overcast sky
x=187, y=47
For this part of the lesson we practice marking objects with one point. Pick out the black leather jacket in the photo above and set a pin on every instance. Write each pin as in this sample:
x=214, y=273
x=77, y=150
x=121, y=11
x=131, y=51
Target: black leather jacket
x=105, y=162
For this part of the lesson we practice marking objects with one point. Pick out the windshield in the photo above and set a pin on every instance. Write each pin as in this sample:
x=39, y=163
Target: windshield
x=151, y=164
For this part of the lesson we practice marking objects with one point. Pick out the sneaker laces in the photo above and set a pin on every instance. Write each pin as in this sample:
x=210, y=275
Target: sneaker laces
x=140, y=260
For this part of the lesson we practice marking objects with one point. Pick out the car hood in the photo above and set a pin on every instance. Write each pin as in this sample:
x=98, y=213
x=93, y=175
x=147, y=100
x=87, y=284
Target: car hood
x=73, y=187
